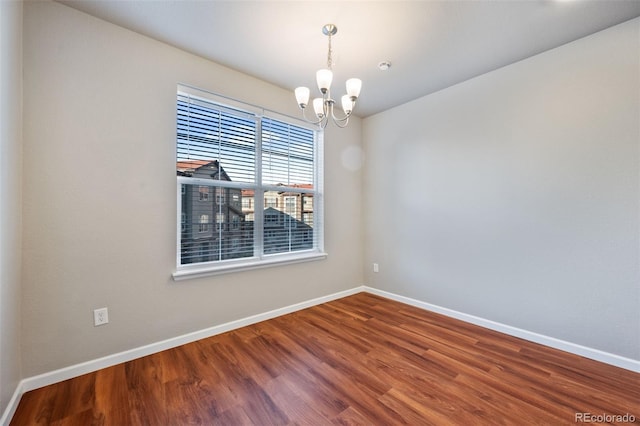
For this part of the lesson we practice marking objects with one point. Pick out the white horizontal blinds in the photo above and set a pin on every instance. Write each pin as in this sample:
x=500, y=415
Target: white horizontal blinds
x=287, y=154
x=208, y=132
x=215, y=160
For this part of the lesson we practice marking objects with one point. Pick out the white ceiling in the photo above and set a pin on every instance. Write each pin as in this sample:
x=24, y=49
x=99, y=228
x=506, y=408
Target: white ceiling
x=431, y=44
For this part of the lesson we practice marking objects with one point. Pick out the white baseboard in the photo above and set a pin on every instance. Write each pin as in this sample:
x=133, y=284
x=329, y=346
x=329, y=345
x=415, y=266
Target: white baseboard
x=12, y=406
x=595, y=354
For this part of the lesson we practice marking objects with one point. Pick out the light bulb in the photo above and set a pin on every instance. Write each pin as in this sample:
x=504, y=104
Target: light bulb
x=318, y=107
x=302, y=96
x=347, y=104
x=353, y=88
x=324, y=78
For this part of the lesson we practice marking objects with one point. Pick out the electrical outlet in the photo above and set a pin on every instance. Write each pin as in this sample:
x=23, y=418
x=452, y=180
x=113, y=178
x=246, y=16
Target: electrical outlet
x=100, y=316
x=375, y=268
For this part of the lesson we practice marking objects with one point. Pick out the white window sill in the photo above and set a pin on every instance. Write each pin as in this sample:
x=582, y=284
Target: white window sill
x=204, y=270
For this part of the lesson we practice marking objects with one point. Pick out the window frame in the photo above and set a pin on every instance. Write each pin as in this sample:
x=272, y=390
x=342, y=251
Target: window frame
x=260, y=259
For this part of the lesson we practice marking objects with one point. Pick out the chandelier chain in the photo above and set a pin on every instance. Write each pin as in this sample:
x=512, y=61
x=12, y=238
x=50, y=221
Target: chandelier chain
x=329, y=60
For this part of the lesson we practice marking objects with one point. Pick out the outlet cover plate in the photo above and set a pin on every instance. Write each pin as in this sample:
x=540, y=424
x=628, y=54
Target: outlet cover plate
x=100, y=317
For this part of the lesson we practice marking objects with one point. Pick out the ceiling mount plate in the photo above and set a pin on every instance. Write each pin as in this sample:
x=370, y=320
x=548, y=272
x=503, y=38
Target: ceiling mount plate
x=329, y=29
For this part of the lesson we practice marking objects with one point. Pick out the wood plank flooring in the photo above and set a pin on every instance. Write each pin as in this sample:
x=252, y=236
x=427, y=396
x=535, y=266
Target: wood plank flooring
x=361, y=360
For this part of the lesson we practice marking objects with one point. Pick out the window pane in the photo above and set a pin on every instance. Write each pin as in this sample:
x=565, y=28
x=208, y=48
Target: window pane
x=213, y=229
x=214, y=142
x=285, y=228
x=287, y=154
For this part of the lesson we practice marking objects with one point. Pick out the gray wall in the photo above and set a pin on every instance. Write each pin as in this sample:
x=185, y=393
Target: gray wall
x=514, y=196
x=100, y=195
x=10, y=195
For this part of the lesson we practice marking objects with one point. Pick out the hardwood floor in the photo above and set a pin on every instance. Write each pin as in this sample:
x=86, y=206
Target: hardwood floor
x=358, y=360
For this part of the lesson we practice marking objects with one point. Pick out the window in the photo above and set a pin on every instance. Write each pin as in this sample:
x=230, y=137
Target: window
x=307, y=218
x=247, y=203
x=220, y=220
x=235, y=199
x=271, y=218
x=204, y=223
x=290, y=205
x=259, y=167
x=204, y=193
x=270, y=200
x=220, y=198
x=307, y=204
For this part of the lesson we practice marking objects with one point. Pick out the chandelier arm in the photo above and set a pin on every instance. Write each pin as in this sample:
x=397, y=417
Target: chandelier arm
x=341, y=123
x=340, y=119
x=327, y=103
x=304, y=115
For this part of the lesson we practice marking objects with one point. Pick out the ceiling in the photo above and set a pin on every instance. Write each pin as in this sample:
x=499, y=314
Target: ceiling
x=431, y=44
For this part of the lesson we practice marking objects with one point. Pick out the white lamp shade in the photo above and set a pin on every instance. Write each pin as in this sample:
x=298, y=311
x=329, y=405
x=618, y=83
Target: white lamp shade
x=347, y=104
x=353, y=88
x=324, y=78
x=318, y=107
x=302, y=96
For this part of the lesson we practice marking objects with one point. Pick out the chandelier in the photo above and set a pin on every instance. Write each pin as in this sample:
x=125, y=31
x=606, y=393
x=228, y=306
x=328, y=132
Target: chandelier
x=324, y=107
